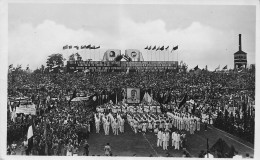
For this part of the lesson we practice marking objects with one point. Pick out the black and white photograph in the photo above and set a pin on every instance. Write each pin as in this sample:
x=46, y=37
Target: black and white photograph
x=122, y=78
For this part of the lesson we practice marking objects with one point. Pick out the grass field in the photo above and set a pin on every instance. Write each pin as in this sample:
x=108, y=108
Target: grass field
x=144, y=145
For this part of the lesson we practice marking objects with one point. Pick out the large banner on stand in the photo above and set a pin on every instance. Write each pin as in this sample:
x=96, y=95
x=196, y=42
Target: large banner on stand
x=133, y=95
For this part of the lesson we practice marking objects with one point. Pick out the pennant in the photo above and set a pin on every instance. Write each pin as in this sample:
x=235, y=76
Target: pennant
x=70, y=47
x=150, y=48
x=154, y=48
x=158, y=48
x=217, y=68
x=174, y=48
x=88, y=46
x=146, y=47
x=77, y=47
x=197, y=67
x=93, y=47
x=166, y=48
x=10, y=66
x=65, y=47
x=162, y=48
x=225, y=67
x=82, y=47
x=97, y=47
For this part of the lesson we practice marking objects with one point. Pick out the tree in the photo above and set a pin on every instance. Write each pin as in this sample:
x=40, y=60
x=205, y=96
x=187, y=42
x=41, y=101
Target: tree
x=55, y=59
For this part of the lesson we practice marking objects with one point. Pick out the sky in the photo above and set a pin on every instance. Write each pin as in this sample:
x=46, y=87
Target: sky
x=205, y=34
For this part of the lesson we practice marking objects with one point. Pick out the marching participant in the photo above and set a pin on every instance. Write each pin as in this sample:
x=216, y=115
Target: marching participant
x=107, y=127
x=173, y=139
x=167, y=139
x=135, y=125
x=122, y=123
x=97, y=122
x=150, y=126
x=116, y=123
x=164, y=140
x=159, y=138
x=144, y=127
x=198, y=124
x=177, y=141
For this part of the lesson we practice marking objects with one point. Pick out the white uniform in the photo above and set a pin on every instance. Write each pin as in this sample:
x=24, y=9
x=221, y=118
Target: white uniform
x=164, y=141
x=177, y=142
x=173, y=138
x=159, y=139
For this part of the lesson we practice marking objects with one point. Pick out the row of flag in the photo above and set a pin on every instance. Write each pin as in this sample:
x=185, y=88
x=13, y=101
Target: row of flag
x=161, y=48
x=81, y=47
x=224, y=68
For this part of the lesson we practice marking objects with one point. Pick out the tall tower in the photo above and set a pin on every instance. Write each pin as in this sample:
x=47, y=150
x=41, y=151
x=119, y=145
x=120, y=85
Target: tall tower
x=240, y=57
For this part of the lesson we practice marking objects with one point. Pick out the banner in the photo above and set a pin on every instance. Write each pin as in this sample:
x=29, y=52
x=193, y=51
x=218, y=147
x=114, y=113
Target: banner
x=26, y=109
x=111, y=54
x=134, y=54
x=133, y=95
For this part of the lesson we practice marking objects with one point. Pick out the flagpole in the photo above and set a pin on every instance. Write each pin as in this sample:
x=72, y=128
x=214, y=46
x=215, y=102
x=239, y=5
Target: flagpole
x=168, y=55
x=163, y=55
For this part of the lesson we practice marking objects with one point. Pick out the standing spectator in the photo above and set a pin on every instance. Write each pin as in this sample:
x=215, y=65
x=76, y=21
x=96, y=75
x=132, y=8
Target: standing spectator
x=107, y=150
x=86, y=148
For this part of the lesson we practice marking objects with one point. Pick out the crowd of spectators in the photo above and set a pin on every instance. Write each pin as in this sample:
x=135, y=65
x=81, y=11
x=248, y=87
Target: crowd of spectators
x=58, y=124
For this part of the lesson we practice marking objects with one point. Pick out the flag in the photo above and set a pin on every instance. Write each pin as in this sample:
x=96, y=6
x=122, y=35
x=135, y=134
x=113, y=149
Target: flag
x=150, y=48
x=225, y=67
x=154, y=48
x=97, y=47
x=134, y=54
x=65, y=47
x=183, y=101
x=166, y=48
x=10, y=66
x=174, y=48
x=30, y=132
x=146, y=47
x=88, y=46
x=111, y=54
x=27, y=68
x=127, y=71
x=74, y=95
x=197, y=67
x=70, y=47
x=158, y=48
x=30, y=137
x=162, y=48
x=77, y=47
x=217, y=68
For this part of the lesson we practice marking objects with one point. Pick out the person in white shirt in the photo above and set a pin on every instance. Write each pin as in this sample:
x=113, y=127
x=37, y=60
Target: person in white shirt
x=198, y=124
x=122, y=123
x=159, y=137
x=116, y=123
x=97, y=122
x=173, y=139
x=107, y=127
x=164, y=141
x=177, y=141
x=167, y=139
